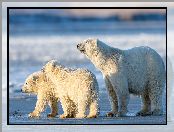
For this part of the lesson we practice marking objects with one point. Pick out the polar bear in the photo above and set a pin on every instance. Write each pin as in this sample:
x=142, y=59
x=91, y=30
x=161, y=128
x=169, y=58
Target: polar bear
x=138, y=71
x=37, y=83
x=77, y=88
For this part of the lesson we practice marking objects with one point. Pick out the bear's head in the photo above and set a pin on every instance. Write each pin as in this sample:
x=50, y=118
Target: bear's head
x=33, y=81
x=89, y=47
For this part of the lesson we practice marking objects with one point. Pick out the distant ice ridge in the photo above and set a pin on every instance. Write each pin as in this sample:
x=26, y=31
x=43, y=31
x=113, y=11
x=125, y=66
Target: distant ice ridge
x=63, y=48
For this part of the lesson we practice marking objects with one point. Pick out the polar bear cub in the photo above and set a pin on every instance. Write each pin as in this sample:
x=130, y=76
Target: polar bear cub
x=76, y=88
x=37, y=83
x=138, y=71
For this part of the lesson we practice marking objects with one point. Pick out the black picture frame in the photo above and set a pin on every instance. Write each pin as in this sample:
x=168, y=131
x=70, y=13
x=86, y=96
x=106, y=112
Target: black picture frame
x=8, y=8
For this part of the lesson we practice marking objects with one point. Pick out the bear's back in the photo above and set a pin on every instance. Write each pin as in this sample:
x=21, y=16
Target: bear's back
x=141, y=64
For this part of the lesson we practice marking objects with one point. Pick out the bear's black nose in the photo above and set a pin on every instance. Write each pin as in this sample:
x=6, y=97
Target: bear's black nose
x=77, y=46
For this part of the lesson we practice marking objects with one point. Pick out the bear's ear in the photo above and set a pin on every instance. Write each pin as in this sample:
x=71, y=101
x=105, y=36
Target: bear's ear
x=95, y=40
x=35, y=78
x=53, y=63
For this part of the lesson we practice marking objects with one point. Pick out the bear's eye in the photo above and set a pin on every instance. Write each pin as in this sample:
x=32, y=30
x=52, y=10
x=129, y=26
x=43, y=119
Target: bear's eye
x=26, y=83
x=87, y=41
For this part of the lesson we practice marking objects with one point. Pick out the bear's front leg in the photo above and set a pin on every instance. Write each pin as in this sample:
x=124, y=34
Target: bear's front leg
x=123, y=100
x=112, y=97
x=40, y=106
x=54, y=110
x=120, y=86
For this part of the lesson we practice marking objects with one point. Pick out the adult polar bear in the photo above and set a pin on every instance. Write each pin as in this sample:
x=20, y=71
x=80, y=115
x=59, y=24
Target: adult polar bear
x=139, y=71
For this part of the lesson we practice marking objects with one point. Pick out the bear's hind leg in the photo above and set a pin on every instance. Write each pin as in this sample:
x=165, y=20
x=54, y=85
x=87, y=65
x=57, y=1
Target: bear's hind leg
x=156, y=101
x=81, y=109
x=157, y=106
x=146, y=108
x=66, y=105
x=93, y=109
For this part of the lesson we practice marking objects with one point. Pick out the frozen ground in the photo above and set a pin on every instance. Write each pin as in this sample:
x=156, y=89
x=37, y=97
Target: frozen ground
x=19, y=114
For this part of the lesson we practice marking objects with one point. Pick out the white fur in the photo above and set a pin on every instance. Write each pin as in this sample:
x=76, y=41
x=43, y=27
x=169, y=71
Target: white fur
x=77, y=89
x=139, y=71
x=37, y=83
